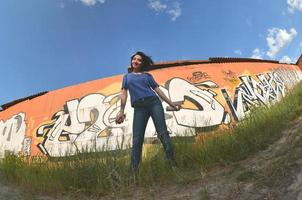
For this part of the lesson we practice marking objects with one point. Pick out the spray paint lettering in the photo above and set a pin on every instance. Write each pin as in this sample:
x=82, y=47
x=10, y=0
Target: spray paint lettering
x=197, y=76
x=80, y=127
x=289, y=77
x=26, y=146
x=208, y=111
x=88, y=124
x=249, y=93
x=12, y=132
x=230, y=76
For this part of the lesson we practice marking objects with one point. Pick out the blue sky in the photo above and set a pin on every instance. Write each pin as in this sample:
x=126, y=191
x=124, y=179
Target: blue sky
x=50, y=44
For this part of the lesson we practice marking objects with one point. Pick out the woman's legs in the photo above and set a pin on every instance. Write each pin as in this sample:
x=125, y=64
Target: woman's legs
x=158, y=117
x=140, y=120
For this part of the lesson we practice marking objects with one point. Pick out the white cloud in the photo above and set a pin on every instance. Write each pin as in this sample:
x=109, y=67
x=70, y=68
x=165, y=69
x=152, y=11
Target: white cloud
x=257, y=54
x=91, y=2
x=157, y=5
x=277, y=39
x=294, y=5
x=173, y=9
x=238, y=52
x=286, y=59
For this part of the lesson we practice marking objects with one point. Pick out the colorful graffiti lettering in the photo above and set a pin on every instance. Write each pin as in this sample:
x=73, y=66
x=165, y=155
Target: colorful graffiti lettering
x=208, y=112
x=198, y=76
x=80, y=127
x=289, y=77
x=249, y=93
x=88, y=124
x=12, y=132
x=230, y=76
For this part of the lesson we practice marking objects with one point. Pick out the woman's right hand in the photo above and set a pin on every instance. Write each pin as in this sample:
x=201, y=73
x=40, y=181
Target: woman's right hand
x=120, y=117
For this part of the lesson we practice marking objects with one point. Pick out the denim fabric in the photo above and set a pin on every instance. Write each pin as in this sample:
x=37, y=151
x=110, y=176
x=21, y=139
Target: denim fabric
x=143, y=109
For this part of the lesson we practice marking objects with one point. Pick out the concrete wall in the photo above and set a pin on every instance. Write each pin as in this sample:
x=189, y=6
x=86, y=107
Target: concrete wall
x=81, y=117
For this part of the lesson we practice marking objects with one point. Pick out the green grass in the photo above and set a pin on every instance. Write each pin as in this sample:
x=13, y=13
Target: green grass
x=109, y=172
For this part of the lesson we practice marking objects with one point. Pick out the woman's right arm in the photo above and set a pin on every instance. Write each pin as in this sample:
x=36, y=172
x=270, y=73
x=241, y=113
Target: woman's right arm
x=123, y=99
x=120, y=117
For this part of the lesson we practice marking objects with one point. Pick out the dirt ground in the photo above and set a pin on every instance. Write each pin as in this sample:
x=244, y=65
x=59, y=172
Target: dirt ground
x=273, y=174
x=8, y=192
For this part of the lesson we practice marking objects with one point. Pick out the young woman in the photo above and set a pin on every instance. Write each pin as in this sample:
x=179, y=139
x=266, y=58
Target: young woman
x=143, y=94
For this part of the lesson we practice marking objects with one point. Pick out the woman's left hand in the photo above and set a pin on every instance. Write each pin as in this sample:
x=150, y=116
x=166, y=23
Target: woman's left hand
x=176, y=106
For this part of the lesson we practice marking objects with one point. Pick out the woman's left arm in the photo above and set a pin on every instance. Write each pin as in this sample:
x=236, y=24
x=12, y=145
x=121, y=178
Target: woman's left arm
x=165, y=98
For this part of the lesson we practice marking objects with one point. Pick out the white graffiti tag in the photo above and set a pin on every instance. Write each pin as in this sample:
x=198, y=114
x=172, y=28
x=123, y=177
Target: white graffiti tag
x=12, y=132
x=81, y=127
x=209, y=111
x=269, y=89
x=289, y=77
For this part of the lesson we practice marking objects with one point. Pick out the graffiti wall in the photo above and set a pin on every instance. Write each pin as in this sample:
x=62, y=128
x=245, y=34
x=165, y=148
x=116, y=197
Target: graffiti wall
x=80, y=118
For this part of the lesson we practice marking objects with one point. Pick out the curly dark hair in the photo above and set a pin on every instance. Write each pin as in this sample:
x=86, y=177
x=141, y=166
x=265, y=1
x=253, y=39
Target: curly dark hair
x=146, y=61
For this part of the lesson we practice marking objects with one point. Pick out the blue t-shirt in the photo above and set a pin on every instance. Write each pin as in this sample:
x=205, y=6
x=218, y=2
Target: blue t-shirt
x=139, y=85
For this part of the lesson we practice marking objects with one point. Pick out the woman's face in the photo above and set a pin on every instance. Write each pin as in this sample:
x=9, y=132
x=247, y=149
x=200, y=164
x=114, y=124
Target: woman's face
x=136, y=62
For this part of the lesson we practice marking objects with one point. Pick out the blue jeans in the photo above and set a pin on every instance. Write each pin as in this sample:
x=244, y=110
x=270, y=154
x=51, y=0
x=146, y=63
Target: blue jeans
x=143, y=109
